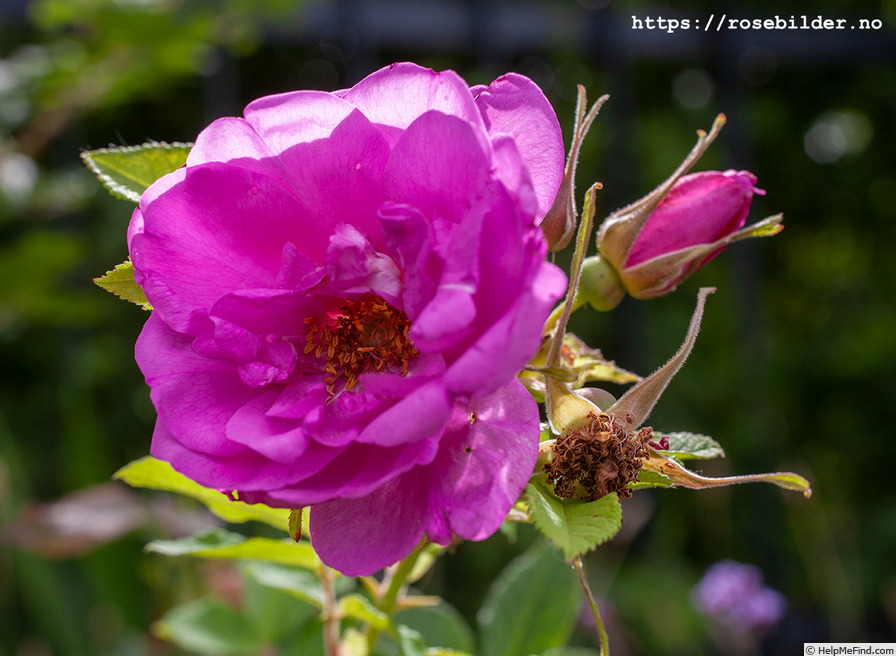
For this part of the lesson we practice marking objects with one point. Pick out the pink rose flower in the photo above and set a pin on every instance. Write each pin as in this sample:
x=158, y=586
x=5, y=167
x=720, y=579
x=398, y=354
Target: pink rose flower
x=344, y=287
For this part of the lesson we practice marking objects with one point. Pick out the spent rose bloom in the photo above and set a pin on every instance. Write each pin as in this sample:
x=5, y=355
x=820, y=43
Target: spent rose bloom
x=344, y=286
x=656, y=247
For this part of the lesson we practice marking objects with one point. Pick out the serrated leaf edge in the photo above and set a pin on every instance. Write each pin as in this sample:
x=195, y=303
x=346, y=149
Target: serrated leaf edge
x=104, y=282
x=533, y=484
x=115, y=188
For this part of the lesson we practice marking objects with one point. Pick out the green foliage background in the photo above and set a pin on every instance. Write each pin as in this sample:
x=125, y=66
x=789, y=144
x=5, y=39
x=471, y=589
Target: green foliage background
x=793, y=369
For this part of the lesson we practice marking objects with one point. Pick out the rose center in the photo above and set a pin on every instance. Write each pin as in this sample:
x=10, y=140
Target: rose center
x=358, y=337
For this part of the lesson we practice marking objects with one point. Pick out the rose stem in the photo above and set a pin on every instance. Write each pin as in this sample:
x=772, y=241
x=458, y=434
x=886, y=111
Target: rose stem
x=330, y=612
x=595, y=611
x=394, y=583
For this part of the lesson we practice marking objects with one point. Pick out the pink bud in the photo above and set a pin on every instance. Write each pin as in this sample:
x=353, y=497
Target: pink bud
x=701, y=208
x=699, y=216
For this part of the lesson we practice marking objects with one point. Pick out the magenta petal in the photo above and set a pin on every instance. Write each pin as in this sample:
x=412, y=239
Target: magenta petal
x=408, y=237
x=514, y=105
x=194, y=396
x=302, y=399
x=359, y=470
x=296, y=270
x=424, y=368
x=344, y=184
x=485, y=460
x=249, y=471
x=233, y=140
x=354, y=268
x=361, y=536
x=445, y=321
x=221, y=219
x=281, y=440
x=506, y=346
x=512, y=172
x=235, y=341
x=419, y=415
x=267, y=311
x=438, y=166
x=398, y=94
x=285, y=119
x=162, y=186
x=344, y=416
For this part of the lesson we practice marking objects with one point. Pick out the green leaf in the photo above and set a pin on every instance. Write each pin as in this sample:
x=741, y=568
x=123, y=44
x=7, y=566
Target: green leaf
x=531, y=606
x=218, y=543
x=301, y=584
x=275, y=614
x=441, y=626
x=208, y=626
x=159, y=475
x=410, y=642
x=128, y=170
x=360, y=608
x=120, y=281
x=690, y=445
x=574, y=526
x=647, y=478
x=571, y=651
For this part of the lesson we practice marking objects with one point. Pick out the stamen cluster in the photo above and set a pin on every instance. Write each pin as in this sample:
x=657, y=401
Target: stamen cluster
x=597, y=459
x=360, y=336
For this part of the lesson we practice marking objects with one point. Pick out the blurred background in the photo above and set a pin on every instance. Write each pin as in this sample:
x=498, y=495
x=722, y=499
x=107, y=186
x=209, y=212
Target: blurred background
x=794, y=368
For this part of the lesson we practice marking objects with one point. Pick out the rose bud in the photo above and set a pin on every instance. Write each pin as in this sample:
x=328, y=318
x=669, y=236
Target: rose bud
x=686, y=227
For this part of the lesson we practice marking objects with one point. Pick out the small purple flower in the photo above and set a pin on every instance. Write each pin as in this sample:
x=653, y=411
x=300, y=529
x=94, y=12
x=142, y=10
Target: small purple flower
x=344, y=287
x=733, y=594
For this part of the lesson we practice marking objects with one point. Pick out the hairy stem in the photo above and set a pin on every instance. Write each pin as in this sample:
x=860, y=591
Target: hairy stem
x=592, y=604
x=575, y=271
x=330, y=613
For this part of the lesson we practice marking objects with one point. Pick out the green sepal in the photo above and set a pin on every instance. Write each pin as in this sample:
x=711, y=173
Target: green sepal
x=155, y=474
x=127, y=171
x=679, y=475
x=221, y=544
x=295, y=524
x=575, y=526
x=120, y=281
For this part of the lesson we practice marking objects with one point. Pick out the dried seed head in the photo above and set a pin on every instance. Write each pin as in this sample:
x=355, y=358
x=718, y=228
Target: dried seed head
x=597, y=459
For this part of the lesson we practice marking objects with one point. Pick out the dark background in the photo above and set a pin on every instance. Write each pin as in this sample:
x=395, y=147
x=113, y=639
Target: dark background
x=793, y=369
